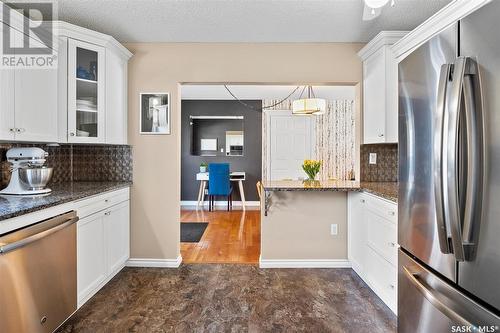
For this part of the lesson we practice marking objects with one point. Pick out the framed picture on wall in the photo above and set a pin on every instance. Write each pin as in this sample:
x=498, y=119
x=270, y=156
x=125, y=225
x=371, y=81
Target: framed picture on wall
x=155, y=113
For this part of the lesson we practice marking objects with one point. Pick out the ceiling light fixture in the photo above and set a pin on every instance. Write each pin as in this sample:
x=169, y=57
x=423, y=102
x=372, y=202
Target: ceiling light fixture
x=373, y=8
x=376, y=3
x=309, y=105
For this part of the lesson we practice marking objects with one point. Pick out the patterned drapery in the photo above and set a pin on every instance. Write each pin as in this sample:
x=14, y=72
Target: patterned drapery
x=335, y=139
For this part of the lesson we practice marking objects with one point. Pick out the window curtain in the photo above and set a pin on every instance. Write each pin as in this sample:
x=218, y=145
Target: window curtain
x=335, y=139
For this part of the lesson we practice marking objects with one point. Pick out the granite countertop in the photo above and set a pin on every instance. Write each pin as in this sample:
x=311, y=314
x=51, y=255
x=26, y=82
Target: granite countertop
x=12, y=206
x=386, y=190
x=308, y=185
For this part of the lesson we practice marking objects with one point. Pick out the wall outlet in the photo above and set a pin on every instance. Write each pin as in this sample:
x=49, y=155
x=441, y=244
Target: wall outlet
x=334, y=229
x=373, y=158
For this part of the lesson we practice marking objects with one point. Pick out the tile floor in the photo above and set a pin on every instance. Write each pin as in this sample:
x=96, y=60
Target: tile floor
x=233, y=298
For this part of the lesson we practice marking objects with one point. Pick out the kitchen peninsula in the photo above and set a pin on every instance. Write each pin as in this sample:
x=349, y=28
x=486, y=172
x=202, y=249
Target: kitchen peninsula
x=305, y=221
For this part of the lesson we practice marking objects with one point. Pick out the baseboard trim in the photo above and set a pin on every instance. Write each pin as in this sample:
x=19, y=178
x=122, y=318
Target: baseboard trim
x=222, y=203
x=146, y=262
x=304, y=263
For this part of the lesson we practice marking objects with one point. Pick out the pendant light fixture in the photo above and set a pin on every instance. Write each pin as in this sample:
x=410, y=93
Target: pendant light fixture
x=309, y=105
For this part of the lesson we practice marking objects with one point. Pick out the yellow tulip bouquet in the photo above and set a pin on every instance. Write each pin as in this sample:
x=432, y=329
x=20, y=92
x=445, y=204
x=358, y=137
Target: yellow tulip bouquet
x=311, y=168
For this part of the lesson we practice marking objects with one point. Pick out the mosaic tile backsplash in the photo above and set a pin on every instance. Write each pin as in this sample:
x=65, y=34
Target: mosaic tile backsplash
x=78, y=162
x=386, y=169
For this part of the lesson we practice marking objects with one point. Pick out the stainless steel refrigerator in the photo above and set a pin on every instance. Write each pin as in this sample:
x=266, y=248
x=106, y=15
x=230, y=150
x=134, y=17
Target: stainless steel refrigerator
x=449, y=179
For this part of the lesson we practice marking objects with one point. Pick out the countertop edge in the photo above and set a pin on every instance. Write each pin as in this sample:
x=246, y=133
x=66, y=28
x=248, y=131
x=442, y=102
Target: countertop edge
x=75, y=197
x=380, y=194
x=384, y=190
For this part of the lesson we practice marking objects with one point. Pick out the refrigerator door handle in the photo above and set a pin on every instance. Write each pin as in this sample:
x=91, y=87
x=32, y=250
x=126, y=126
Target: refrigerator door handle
x=438, y=158
x=475, y=156
x=464, y=87
x=430, y=295
x=451, y=156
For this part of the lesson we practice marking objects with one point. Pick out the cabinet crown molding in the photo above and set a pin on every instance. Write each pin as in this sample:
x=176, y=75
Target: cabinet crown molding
x=448, y=15
x=382, y=38
x=76, y=32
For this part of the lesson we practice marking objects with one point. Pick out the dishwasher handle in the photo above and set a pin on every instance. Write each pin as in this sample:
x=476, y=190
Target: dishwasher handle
x=66, y=220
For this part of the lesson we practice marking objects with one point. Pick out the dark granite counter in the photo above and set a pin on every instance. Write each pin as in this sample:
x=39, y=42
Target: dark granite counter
x=386, y=190
x=12, y=206
x=311, y=185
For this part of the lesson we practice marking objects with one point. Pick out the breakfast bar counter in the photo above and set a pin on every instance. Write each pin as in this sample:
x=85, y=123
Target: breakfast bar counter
x=311, y=185
x=291, y=209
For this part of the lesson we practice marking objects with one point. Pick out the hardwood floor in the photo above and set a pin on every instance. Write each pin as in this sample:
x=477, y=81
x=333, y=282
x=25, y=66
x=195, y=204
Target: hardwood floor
x=231, y=237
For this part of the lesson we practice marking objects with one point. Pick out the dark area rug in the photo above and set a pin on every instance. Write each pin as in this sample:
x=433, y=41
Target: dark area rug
x=191, y=232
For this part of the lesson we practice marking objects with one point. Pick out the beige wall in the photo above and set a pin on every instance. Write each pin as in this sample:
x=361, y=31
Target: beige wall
x=297, y=226
x=161, y=67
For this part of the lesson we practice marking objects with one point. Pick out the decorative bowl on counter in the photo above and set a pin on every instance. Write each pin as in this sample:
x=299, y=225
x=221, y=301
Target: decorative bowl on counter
x=35, y=178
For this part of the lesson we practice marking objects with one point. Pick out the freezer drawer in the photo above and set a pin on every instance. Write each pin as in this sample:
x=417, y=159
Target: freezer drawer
x=428, y=303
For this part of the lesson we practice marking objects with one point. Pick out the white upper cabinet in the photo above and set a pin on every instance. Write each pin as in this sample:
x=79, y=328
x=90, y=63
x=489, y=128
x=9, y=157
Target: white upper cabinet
x=86, y=89
x=28, y=104
x=96, y=98
x=380, y=89
x=116, y=99
x=35, y=98
x=82, y=100
x=7, y=124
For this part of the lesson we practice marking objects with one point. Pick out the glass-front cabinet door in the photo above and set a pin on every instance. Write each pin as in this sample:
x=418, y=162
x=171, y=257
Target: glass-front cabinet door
x=86, y=109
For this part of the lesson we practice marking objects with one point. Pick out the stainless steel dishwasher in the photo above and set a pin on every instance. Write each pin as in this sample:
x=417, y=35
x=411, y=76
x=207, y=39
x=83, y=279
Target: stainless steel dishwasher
x=38, y=275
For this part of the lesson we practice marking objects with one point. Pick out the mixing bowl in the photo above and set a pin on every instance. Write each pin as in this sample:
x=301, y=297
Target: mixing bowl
x=35, y=178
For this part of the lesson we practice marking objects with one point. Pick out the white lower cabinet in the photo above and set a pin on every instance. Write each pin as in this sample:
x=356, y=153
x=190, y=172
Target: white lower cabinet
x=91, y=262
x=116, y=225
x=373, y=244
x=103, y=238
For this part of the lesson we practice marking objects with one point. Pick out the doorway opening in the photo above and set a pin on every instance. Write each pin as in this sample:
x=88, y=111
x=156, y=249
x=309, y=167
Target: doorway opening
x=243, y=131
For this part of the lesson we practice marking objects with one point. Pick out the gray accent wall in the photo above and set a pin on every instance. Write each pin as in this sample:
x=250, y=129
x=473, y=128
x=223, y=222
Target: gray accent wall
x=250, y=162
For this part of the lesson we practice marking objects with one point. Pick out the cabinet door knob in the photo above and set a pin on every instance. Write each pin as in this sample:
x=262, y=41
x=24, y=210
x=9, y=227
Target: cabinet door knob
x=20, y=130
x=107, y=213
x=362, y=200
x=71, y=134
x=392, y=213
x=391, y=286
x=12, y=129
x=106, y=200
x=381, y=135
x=392, y=244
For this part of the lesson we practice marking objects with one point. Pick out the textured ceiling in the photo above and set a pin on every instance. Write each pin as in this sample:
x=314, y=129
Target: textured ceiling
x=242, y=20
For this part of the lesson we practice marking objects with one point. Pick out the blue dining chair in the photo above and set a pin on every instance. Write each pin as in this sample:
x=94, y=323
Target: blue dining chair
x=219, y=184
